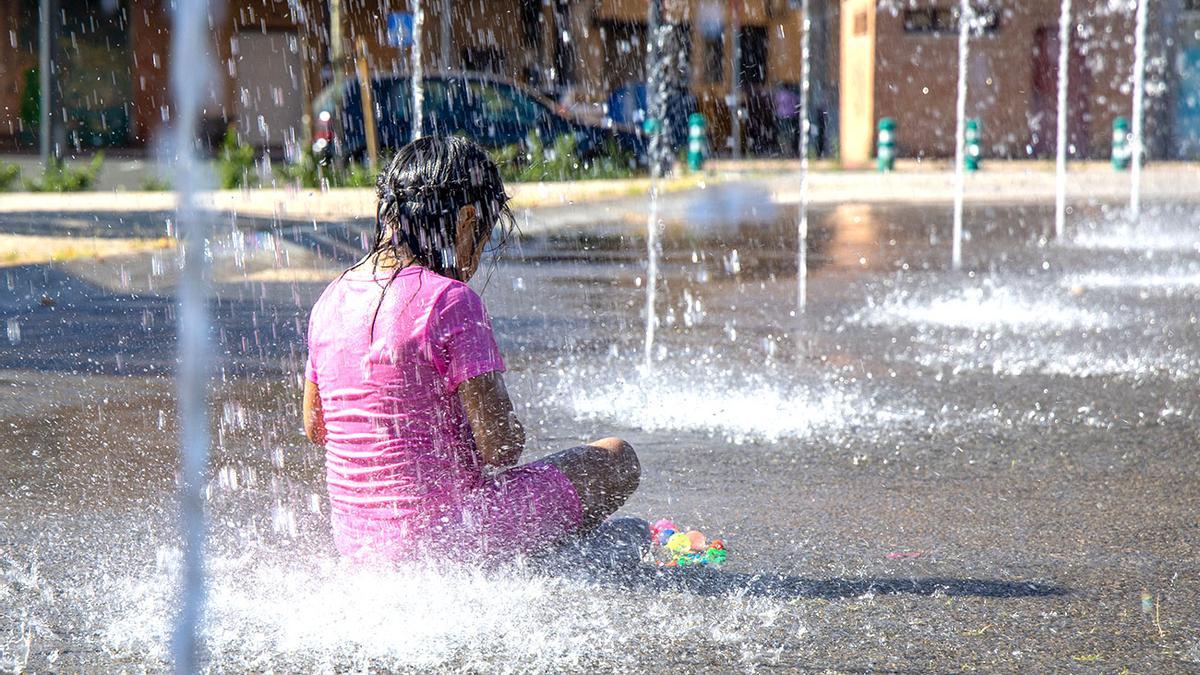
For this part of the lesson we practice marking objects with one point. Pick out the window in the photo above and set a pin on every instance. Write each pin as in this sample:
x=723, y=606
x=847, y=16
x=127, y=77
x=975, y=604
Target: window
x=945, y=20
x=501, y=105
x=531, y=22
x=483, y=59
x=446, y=107
x=754, y=54
x=623, y=47
x=929, y=21
x=987, y=20
x=714, y=59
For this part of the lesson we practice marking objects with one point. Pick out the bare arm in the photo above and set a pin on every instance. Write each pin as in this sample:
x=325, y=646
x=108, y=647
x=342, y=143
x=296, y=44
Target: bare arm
x=498, y=433
x=314, y=417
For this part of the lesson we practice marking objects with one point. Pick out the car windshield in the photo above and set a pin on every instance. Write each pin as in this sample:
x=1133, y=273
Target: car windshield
x=503, y=105
x=494, y=113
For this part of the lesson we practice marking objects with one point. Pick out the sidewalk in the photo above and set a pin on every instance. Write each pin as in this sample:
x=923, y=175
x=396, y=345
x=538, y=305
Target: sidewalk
x=1008, y=183
x=342, y=203
x=913, y=182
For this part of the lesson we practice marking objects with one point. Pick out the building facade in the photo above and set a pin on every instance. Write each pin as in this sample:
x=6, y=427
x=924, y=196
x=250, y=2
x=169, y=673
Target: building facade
x=112, y=64
x=273, y=56
x=899, y=59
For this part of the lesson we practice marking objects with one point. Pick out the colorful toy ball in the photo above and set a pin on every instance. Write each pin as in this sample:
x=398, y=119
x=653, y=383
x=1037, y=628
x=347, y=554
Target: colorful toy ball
x=679, y=543
x=670, y=547
x=662, y=530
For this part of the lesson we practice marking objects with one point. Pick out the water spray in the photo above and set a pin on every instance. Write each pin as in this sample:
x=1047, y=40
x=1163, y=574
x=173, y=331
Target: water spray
x=960, y=133
x=418, y=72
x=1139, y=112
x=1060, y=174
x=805, y=83
x=657, y=90
x=190, y=71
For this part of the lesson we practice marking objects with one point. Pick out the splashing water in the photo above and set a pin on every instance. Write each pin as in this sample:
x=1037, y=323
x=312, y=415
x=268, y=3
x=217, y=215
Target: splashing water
x=1169, y=282
x=304, y=610
x=1060, y=164
x=802, y=226
x=1015, y=330
x=982, y=308
x=1021, y=355
x=659, y=53
x=190, y=72
x=960, y=132
x=1155, y=232
x=1139, y=111
x=418, y=72
x=653, y=251
x=736, y=407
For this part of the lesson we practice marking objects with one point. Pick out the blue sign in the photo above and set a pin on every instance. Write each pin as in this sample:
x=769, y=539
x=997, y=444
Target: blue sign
x=400, y=29
x=1187, y=111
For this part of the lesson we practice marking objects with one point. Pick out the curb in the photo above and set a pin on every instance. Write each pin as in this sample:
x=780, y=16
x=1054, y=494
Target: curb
x=341, y=203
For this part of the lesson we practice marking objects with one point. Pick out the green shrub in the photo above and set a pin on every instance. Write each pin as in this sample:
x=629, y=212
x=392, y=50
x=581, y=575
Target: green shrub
x=305, y=172
x=58, y=177
x=235, y=163
x=309, y=173
x=533, y=161
x=612, y=162
x=155, y=184
x=356, y=175
x=510, y=160
x=9, y=175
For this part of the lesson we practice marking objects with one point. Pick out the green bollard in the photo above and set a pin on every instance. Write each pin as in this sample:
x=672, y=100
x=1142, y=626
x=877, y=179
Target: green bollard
x=697, y=141
x=973, y=137
x=1121, y=152
x=886, y=144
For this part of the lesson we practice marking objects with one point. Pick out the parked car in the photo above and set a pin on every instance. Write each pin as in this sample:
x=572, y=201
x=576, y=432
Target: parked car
x=492, y=112
x=627, y=105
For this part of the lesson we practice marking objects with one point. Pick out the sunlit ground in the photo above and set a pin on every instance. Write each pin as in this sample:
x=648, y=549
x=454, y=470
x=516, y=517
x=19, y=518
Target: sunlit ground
x=1022, y=432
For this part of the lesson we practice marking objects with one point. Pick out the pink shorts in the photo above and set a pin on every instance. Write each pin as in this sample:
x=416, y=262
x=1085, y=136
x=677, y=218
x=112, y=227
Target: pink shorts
x=519, y=511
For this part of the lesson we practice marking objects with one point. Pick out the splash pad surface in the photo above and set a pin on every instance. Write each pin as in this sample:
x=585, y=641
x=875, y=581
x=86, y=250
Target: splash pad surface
x=1025, y=425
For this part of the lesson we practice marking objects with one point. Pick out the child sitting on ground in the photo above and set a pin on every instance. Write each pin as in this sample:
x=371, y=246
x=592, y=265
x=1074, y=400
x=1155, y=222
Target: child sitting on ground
x=404, y=386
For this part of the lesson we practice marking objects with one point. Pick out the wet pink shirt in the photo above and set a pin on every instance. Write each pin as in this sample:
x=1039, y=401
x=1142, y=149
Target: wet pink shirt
x=401, y=465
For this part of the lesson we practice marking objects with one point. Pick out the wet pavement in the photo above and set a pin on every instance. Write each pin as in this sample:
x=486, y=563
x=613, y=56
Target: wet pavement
x=1020, y=435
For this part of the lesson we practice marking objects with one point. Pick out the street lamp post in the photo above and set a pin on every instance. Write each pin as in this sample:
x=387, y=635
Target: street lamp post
x=50, y=129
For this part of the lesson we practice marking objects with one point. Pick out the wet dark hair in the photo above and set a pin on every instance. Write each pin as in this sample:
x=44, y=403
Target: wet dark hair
x=421, y=192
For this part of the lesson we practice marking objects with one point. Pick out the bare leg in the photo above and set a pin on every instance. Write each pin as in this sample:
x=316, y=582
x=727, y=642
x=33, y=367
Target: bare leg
x=605, y=473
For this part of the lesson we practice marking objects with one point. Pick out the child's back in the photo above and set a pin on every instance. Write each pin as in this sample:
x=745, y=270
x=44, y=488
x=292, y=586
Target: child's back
x=399, y=449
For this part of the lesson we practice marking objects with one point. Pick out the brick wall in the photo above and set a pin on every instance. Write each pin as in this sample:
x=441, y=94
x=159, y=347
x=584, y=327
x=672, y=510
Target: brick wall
x=916, y=74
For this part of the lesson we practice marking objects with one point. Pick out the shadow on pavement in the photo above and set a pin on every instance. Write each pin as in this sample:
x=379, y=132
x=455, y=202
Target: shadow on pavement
x=711, y=582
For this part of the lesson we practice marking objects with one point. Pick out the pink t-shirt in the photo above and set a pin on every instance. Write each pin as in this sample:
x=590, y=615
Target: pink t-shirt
x=399, y=452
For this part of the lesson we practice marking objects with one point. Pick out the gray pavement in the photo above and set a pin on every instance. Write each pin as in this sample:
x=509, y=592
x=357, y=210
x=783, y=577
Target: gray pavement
x=987, y=470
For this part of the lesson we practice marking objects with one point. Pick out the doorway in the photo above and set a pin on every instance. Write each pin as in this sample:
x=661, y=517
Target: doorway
x=758, y=99
x=1043, y=113
x=269, y=103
